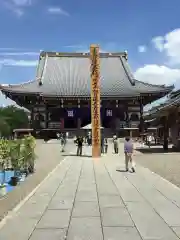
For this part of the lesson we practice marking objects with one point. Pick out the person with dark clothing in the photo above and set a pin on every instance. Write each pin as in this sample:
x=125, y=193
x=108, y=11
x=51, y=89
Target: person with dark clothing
x=105, y=145
x=102, y=144
x=79, y=142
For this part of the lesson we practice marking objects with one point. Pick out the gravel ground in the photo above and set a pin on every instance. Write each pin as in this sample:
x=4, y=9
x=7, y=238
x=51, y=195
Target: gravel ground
x=167, y=165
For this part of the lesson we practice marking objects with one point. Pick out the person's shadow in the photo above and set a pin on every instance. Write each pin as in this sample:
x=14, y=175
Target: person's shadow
x=121, y=170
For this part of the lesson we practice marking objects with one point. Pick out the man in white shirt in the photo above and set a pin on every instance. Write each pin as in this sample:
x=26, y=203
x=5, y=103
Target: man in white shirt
x=149, y=140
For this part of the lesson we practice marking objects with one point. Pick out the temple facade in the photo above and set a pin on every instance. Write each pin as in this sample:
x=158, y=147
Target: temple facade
x=167, y=117
x=60, y=96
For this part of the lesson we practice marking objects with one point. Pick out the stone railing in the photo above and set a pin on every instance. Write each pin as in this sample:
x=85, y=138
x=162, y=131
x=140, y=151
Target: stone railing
x=54, y=125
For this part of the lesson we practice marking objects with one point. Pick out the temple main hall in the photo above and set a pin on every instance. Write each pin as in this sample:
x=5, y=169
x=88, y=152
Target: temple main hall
x=59, y=97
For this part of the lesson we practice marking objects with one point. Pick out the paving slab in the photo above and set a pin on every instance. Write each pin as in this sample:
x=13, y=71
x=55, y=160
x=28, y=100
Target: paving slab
x=19, y=227
x=148, y=222
x=85, y=229
x=48, y=234
x=61, y=203
x=116, y=217
x=86, y=195
x=86, y=209
x=55, y=219
x=110, y=201
x=177, y=231
x=117, y=233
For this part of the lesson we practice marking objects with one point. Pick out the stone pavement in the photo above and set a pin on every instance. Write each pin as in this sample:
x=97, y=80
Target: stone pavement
x=88, y=199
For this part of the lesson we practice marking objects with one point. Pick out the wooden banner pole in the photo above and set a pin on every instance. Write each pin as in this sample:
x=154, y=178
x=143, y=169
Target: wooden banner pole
x=95, y=101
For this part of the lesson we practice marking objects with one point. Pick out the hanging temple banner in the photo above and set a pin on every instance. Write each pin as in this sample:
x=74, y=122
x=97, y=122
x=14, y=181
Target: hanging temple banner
x=95, y=100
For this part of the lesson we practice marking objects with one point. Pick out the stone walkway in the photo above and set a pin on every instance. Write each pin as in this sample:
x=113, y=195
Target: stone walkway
x=88, y=199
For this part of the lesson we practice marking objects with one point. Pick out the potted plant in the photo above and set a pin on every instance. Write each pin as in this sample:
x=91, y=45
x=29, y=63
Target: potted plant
x=28, y=153
x=16, y=160
x=4, y=157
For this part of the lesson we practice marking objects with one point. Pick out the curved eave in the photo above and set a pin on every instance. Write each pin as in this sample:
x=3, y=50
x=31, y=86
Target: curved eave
x=23, y=89
x=163, y=109
x=69, y=96
x=155, y=87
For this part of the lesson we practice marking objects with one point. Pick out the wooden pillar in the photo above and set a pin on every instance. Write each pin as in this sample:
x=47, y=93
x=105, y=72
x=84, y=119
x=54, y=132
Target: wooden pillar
x=127, y=115
x=166, y=133
x=95, y=101
x=79, y=123
x=46, y=116
x=32, y=118
x=62, y=123
x=141, y=128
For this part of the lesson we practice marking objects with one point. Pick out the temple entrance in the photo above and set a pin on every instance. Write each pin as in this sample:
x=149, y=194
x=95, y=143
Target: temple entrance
x=85, y=117
x=107, y=118
x=70, y=122
x=55, y=114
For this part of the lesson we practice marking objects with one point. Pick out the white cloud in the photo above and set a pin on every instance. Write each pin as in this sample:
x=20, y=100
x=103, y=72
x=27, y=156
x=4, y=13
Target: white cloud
x=17, y=6
x=19, y=63
x=158, y=43
x=142, y=49
x=21, y=2
x=155, y=74
x=169, y=72
x=57, y=10
x=19, y=53
x=170, y=45
x=7, y=49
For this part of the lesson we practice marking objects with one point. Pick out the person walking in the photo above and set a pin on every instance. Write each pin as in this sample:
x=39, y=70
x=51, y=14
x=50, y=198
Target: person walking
x=105, y=145
x=102, y=144
x=115, y=142
x=149, y=140
x=63, y=143
x=128, y=151
x=79, y=142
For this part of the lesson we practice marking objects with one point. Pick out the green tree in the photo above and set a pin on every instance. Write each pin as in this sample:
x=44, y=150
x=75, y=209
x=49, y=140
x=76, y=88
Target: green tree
x=12, y=118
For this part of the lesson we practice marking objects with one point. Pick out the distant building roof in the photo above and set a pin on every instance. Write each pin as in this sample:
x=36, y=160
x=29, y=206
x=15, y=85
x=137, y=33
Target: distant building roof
x=172, y=101
x=68, y=75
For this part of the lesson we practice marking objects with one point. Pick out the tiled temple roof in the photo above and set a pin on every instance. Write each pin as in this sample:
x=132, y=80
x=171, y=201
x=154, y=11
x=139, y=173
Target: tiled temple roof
x=68, y=75
x=172, y=101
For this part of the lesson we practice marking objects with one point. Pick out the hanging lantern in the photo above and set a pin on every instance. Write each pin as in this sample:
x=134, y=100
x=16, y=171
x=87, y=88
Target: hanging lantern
x=117, y=103
x=78, y=103
x=62, y=101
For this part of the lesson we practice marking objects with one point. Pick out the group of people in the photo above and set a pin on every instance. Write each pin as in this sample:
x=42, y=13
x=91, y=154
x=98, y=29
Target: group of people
x=128, y=149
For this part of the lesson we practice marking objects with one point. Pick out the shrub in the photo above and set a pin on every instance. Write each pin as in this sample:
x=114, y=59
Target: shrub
x=18, y=154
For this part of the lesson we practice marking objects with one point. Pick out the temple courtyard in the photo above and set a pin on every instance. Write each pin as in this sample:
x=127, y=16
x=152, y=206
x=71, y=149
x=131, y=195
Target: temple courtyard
x=94, y=199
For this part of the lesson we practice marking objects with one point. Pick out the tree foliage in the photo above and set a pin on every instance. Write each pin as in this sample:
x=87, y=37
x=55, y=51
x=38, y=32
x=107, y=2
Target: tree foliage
x=12, y=118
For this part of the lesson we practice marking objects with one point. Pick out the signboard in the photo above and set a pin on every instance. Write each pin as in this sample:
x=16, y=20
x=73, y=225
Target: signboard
x=95, y=101
x=108, y=113
x=70, y=113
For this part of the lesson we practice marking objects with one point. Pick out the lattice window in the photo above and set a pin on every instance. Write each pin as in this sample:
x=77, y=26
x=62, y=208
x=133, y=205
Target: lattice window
x=109, y=113
x=70, y=113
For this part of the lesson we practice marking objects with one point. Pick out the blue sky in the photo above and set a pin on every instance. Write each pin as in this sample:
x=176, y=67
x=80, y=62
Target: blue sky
x=148, y=30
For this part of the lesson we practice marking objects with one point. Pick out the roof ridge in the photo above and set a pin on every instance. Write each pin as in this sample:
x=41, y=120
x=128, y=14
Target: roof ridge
x=43, y=70
x=81, y=54
x=127, y=72
x=39, y=75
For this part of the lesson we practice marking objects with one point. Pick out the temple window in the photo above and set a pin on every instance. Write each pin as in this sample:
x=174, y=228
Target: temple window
x=109, y=113
x=70, y=113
